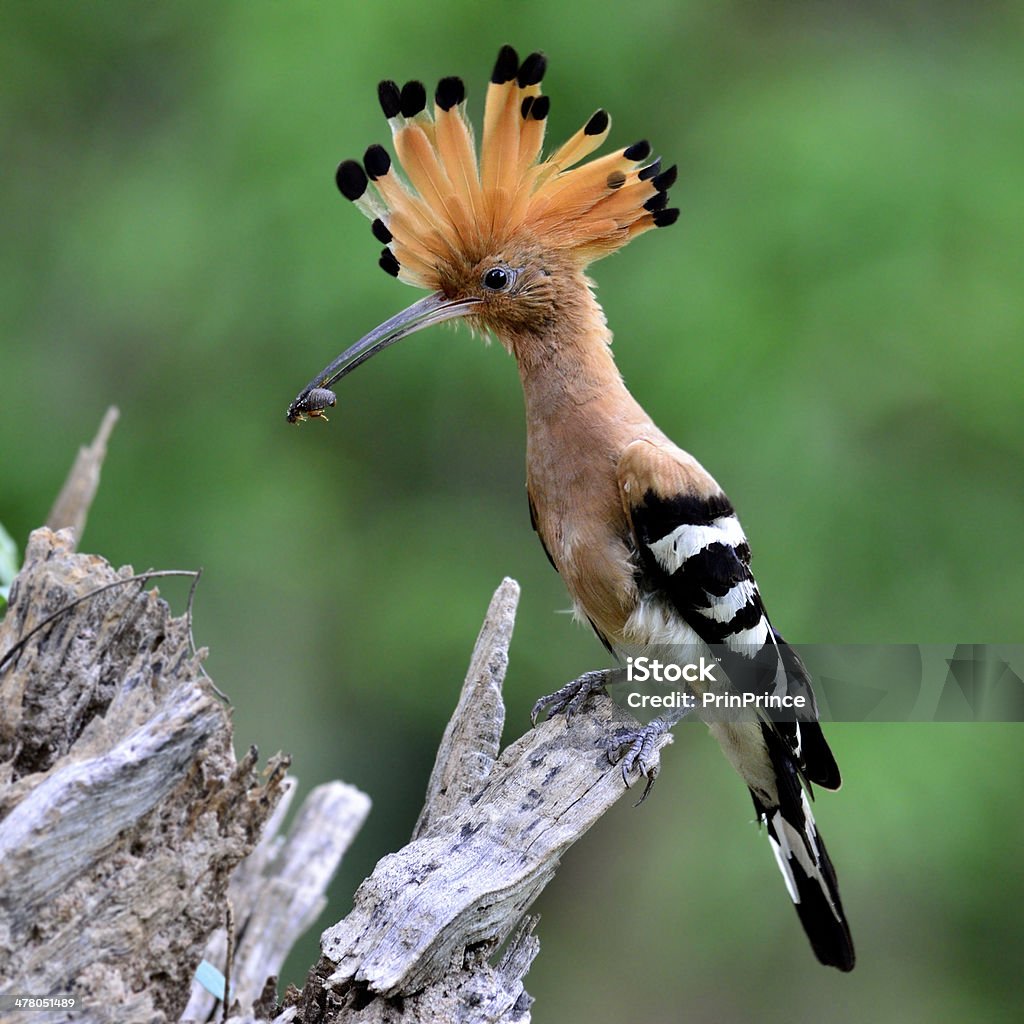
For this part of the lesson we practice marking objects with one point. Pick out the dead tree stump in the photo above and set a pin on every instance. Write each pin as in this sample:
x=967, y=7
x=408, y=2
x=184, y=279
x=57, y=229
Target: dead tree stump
x=133, y=844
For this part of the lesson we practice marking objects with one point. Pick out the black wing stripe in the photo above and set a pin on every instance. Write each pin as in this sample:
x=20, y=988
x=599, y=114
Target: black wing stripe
x=663, y=515
x=815, y=758
x=713, y=631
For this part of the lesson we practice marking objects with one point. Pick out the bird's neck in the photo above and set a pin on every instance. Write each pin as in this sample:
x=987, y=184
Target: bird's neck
x=579, y=420
x=579, y=415
x=567, y=369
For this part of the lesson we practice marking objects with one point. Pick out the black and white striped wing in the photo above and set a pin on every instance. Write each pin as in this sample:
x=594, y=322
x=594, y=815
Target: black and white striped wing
x=694, y=564
x=694, y=556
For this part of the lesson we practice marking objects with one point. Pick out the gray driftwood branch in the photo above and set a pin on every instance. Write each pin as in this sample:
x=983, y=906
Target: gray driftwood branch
x=134, y=846
x=441, y=930
x=71, y=509
x=127, y=826
x=123, y=808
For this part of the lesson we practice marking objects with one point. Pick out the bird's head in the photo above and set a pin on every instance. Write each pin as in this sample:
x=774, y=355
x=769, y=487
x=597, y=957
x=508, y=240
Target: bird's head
x=503, y=241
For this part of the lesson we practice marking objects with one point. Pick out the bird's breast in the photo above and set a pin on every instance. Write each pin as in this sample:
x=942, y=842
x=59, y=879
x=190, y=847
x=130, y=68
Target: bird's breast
x=579, y=516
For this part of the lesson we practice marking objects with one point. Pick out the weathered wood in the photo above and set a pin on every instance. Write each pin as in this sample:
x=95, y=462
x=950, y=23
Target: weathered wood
x=415, y=947
x=470, y=884
x=472, y=739
x=122, y=808
x=71, y=509
x=278, y=890
x=124, y=815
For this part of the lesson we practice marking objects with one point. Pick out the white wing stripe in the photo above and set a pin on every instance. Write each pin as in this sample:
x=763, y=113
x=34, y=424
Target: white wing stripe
x=755, y=637
x=686, y=540
x=789, y=846
x=724, y=609
x=787, y=872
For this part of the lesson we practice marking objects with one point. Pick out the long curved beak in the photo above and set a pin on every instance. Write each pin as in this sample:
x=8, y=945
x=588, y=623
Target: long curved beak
x=435, y=308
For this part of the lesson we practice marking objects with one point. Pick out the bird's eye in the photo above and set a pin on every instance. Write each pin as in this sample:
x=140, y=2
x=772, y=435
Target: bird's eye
x=497, y=279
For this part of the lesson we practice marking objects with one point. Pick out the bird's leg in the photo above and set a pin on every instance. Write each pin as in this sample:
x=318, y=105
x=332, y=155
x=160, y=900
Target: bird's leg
x=639, y=745
x=571, y=697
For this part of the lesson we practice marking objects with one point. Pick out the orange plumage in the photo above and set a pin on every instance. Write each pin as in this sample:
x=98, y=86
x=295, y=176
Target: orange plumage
x=450, y=207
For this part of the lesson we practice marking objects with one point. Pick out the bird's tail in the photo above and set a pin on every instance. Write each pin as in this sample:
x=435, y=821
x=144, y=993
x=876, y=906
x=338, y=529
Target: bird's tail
x=801, y=855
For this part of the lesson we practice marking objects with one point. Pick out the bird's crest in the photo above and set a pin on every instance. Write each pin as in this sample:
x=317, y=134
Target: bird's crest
x=453, y=209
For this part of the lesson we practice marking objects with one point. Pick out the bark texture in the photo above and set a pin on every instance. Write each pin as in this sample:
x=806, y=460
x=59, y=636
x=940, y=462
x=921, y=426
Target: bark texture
x=133, y=845
x=441, y=930
x=123, y=811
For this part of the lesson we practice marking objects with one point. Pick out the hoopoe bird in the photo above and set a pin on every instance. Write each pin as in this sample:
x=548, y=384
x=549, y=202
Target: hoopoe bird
x=645, y=540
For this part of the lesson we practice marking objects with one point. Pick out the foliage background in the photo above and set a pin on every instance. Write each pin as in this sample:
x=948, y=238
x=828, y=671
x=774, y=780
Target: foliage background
x=834, y=327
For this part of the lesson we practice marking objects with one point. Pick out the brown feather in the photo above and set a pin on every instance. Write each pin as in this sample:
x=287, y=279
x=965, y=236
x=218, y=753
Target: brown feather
x=531, y=134
x=411, y=219
x=577, y=147
x=455, y=149
x=500, y=150
x=419, y=159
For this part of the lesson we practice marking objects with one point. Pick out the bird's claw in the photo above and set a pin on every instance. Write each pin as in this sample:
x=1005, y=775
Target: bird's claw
x=570, y=698
x=641, y=747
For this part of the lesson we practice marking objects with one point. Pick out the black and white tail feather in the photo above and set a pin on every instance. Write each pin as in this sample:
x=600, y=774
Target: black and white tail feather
x=802, y=858
x=694, y=564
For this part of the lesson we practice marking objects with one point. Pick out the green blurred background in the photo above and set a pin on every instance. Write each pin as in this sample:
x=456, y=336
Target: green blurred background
x=834, y=327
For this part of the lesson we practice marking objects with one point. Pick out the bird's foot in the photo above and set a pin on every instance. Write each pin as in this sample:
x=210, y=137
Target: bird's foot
x=570, y=698
x=636, y=750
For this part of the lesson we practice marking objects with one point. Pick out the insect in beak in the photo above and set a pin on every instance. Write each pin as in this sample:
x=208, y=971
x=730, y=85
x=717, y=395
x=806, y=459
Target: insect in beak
x=434, y=309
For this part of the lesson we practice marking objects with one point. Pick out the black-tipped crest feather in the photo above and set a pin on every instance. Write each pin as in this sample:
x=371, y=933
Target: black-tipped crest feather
x=445, y=199
x=506, y=67
x=350, y=179
x=390, y=98
x=377, y=162
x=531, y=71
x=413, y=99
x=450, y=93
x=597, y=123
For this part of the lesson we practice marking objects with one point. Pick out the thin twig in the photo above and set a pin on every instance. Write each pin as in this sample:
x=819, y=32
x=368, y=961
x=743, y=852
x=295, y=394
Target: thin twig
x=229, y=927
x=71, y=508
x=143, y=577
